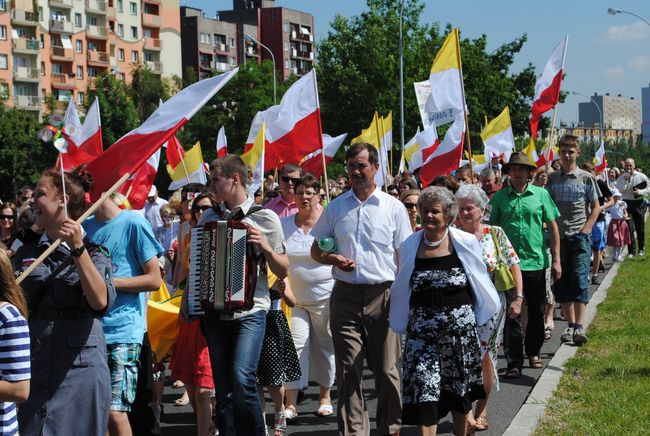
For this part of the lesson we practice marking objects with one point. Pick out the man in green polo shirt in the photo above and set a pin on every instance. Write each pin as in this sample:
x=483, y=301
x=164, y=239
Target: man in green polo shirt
x=522, y=209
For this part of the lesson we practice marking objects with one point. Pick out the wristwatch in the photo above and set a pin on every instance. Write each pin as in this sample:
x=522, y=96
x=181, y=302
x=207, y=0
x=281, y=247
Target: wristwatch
x=521, y=297
x=78, y=251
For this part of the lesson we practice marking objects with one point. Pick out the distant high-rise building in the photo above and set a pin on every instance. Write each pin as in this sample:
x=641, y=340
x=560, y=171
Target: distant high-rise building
x=59, y=47
x=618, y=112
x=645, y=113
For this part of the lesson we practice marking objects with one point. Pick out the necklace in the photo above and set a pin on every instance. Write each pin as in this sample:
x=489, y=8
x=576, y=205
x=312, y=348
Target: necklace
x=434, y=244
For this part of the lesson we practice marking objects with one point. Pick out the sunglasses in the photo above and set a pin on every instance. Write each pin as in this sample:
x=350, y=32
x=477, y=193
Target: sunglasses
x=202, y=208
x=410, y=205
x=7, y=217
x=287, y=179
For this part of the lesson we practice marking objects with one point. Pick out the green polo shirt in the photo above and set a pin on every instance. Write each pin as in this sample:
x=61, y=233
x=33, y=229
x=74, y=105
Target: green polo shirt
x=521, y=216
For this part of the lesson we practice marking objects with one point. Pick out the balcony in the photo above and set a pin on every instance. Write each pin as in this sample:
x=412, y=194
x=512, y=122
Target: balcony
x=205, y=65
x=156, y=67
x=97, y=31
x=64, y=81
x=150, y=20
x=96, y=7
x=27, y=74
x=67, y=4
x=61, y=26
x=152, y=2
x=62, y=54
x=152, y=43
x=24, y=18
x=98, y=57
x=26, y=46
x=29, y=102
x=223, y=66
x=221, y=48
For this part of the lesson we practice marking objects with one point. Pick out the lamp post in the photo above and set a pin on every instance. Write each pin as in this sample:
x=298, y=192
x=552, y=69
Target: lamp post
x=600, y=112
x=401, y=77
x=251, y=39
x=612, y=11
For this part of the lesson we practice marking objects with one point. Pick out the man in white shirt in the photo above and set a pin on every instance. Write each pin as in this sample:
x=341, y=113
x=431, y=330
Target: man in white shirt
x=634, y=186
x=151, y=209
x=369, y=226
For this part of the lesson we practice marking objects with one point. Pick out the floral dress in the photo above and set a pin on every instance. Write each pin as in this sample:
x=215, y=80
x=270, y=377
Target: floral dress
x=491, y=333
x=442, y=358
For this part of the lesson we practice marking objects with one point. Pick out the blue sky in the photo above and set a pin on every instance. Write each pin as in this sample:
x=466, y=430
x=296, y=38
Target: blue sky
x=606, y=53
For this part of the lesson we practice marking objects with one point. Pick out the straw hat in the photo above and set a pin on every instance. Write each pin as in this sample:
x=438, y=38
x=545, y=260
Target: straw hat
x=519, y=158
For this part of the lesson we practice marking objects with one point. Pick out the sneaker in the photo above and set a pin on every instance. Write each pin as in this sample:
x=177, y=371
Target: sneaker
x=631, y=256
x=567, y=336
x=595, y=279
x=641, y=252
x=579, y=337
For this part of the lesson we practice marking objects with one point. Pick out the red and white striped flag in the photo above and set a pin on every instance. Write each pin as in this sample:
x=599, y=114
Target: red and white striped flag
x=134, y=148
x=137, y=187
x=313, y=162
x=84, y=142
x=222, y=143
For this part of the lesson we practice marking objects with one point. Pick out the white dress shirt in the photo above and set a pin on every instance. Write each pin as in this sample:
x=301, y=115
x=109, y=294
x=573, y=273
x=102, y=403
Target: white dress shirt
x=368, y=232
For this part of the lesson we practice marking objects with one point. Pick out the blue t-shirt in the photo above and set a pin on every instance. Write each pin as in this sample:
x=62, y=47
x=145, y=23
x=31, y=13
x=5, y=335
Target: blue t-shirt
x=131, y=243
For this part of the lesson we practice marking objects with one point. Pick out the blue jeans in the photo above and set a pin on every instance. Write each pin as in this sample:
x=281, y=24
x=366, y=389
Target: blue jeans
x=574, y=282
x=235, y=347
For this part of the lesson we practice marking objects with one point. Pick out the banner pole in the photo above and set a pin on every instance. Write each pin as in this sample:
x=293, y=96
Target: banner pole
x=462, y=90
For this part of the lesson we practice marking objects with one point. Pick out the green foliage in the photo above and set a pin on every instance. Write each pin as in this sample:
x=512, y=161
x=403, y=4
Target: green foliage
x=23, y=156
x=118, y=111
x=146, y=91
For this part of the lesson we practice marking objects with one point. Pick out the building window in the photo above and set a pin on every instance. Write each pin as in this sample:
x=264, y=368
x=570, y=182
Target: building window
x=286, y=64
x=134, y=56
x=80, y=72
x=122, y=77
x=231, y=42
x=92, y=72
x=119, y=6
x=92, y=21
x=42, y=68
x=57, y=69
x=4, y=90
x=3, y=6
x=134, y=32
x=120, y=54
x=79, y=46
x=133, y=8
x=3, y=32
x=80, y=98
x=286, y=27
x=232, y=60
x=77, y=19
x=120, y=30
x=3, y=62
x=286, y=46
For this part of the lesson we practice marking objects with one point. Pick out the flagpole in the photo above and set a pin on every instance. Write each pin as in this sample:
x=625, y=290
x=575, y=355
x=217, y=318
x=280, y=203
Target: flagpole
x=375, y=118
x=65, y=201
x=462, y=90
x=81, y=219
x=320, y=138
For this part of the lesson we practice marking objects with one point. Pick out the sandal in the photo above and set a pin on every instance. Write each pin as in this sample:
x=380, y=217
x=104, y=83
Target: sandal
x=290, y=415
x=513, y=373
x=536, y=362
x=482, y=423
x=280, y=426
x=548, y=333
x=184, y=400
x=178, y=384
x=325, y=410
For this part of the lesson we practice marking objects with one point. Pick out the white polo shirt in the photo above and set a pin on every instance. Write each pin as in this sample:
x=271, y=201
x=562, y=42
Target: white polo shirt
x=368, y=232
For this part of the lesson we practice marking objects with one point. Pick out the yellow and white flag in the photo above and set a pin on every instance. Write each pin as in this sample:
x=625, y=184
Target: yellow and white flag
x=497, y=135
x=254, y=160
x=189, y=170
x=446, y=99
x=531, y=152
x=375, y=136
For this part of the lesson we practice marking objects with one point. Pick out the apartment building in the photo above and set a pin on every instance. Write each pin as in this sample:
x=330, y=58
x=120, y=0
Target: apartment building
x=618, y=112
x=592, y=134
x=286, y=33
x=59, y=47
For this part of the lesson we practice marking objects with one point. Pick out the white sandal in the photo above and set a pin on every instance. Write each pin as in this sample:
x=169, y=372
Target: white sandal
x=290, y=414
x=280, y=426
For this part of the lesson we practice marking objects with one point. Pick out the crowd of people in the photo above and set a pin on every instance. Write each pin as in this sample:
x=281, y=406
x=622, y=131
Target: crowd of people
x=425, y=283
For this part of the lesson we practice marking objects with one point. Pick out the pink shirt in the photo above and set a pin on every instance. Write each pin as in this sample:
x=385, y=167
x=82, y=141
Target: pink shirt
x=283, y=208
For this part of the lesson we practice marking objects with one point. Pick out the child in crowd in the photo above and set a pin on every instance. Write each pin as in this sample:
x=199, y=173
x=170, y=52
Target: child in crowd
x=618, y=234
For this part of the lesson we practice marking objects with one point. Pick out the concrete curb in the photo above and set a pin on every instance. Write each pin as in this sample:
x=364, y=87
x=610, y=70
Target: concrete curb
x=526, y=420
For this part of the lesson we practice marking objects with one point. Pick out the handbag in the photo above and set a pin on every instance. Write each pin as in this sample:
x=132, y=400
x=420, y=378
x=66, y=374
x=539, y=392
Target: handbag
x=503, y=279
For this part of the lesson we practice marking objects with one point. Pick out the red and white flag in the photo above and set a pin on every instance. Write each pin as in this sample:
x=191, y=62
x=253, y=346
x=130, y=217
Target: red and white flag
x=222, y=143
x=446, y=157
x=547, y=156
x=313, y=162
x=84, y=142
x=137, y=187
x=600, y=161
x=547, y=87
x=133, y=149
x=174, y=151
x=293, y=128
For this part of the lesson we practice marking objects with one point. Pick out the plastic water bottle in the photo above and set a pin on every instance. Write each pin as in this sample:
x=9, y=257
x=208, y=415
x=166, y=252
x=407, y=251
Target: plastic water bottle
x=328, y=245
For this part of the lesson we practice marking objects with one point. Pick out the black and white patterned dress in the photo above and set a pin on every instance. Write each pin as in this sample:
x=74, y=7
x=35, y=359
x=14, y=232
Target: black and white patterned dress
x=279, y=361
x=442, y=356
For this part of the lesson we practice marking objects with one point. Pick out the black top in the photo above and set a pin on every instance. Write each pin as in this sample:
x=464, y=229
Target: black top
x=439, y=282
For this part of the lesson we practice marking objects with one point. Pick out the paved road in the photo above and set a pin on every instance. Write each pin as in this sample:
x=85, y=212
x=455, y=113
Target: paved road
x=503, y=405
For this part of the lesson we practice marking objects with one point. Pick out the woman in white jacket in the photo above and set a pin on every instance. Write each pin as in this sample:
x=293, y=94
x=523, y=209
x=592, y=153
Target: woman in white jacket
x=441, y=293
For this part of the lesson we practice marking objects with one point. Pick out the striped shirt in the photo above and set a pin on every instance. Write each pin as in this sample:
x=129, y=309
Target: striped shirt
x=14, y=360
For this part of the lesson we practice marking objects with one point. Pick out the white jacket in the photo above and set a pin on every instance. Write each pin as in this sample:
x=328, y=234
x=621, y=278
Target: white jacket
x=486, y=299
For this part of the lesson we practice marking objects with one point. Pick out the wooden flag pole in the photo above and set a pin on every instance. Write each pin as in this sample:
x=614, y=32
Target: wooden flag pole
x=462, y=90
x=105, y=196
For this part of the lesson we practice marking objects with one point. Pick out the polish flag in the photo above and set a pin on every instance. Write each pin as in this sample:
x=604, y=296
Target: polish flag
x=174, y=151
x=548, y=155
x=420, y=147
x=547, y=87
x=313, y=162
x=137, y=187
x=132, y=150
x=84, y=142
x=600, y=161
x=446, y=157
x=293, y=128
x=222, y=143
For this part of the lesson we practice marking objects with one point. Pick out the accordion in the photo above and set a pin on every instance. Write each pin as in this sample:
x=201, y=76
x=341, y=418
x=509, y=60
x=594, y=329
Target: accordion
x=223, y=268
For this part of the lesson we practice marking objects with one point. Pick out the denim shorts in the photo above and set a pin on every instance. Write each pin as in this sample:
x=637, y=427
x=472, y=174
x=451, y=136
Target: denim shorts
x=123, y=364
x=575, y=252
x=599, y=236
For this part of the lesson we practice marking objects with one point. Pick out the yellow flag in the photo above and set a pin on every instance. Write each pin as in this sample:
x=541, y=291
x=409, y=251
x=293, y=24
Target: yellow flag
x=371, y=135
x=448, y=56
x=254, y=160
x=531, y=152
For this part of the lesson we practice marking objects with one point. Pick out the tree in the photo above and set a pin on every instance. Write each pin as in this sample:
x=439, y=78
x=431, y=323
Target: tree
x=22, y=155
x=119, y=115
x=146, y=91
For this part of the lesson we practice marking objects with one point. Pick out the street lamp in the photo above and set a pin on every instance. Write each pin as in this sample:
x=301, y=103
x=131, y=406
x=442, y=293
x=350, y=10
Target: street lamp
x=600, y=112
x=251, y=39
x=401, y=77
x=612, y=11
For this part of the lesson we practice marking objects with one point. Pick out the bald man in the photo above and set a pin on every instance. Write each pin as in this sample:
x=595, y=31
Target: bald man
x=634, y=186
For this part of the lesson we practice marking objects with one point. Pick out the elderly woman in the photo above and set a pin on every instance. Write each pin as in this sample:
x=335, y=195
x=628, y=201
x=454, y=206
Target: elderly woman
x=495, y=247
x=409, y=199
x=441, y=293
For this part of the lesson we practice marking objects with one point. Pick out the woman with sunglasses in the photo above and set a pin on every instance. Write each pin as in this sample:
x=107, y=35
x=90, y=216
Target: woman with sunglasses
x=8, y=226
x=190, y=361
x=409, y=199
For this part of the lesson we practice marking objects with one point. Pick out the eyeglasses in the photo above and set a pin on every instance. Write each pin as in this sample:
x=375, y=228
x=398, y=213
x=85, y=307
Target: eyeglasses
x=356, y=166
x=7, y=217
x=410, y=205
x=202, y=208
x=287, y=179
